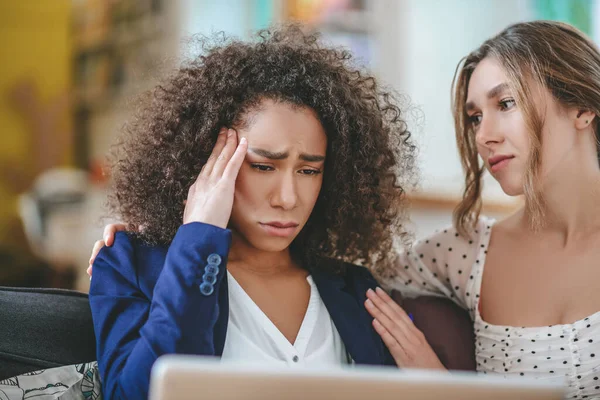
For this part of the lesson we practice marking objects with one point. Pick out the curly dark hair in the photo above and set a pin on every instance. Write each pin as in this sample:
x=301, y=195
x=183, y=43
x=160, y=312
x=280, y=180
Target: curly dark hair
x=360, y=210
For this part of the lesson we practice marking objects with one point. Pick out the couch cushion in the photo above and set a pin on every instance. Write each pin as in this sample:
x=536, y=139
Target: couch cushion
x=43, y=328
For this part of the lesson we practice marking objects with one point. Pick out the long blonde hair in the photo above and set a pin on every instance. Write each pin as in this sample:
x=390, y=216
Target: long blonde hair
x=535, y=56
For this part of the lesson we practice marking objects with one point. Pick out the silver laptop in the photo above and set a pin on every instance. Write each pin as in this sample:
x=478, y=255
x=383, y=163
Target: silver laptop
x=193, y=377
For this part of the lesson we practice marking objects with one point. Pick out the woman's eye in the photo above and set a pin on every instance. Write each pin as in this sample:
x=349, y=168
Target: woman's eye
x=475, y=119
x=261, y=167
x=310, y=171
x=507, y=104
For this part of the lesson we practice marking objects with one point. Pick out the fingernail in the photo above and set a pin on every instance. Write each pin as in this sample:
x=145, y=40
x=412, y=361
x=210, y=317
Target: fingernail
x=370, y=291
x=379, y=290
x=411, y=317
x=243, y=140
x=222, y=131
x=229, y=132
x=368, y=302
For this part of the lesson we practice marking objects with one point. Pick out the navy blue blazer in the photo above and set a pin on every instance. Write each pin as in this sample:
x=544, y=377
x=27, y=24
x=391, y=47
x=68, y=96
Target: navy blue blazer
x=148, y=301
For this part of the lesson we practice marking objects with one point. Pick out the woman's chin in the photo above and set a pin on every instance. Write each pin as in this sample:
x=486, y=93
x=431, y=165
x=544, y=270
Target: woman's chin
x=512, y=189
x=271, y=244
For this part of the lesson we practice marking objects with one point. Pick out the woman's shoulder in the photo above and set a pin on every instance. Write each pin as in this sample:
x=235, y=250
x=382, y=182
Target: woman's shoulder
x=451, y=233
x=448, y=241
x=359, y=277
x=360, y=273
x=344, y=272
x=448, y=250
x=129, y=246
x=130, y=258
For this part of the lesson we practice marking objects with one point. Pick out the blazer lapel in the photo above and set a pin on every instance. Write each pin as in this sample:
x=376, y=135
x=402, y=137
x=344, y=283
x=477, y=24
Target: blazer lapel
x=350, y=318
x=220, y=332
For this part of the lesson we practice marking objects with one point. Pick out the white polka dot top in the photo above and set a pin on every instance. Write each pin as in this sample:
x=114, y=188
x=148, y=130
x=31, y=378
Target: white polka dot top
x=446, y=264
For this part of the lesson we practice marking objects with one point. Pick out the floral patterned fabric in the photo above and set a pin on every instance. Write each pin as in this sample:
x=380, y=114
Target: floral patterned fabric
x=71, y=382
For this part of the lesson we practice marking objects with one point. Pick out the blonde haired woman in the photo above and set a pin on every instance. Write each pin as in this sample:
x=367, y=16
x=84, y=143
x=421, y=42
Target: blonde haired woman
x=525, y=103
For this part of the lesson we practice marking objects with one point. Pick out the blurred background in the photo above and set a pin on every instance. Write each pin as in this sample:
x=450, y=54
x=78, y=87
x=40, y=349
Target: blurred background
x=69, y=67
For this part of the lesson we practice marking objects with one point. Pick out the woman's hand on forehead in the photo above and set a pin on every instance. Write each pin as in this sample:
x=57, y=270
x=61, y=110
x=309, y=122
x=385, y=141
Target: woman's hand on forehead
x=210, y=198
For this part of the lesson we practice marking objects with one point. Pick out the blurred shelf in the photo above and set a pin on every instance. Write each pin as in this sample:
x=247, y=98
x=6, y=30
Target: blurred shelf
x=445, y=202
x=117, y=46
x=122, y=35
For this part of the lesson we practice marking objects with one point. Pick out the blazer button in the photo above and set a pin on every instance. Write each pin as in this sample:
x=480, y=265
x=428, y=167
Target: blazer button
x=214, y=259
x=212, y=269
x=206, y=288
x=209, y=278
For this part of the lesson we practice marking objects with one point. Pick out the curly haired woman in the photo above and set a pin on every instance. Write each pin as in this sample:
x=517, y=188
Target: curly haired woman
x=255, y=179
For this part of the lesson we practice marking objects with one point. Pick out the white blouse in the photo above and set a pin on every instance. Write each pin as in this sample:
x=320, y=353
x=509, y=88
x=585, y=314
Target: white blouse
x=446, y=264
x=251, y=336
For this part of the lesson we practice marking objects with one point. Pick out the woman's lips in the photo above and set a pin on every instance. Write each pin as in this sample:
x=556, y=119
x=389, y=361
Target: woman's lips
x=499, y=162
x=279, y=229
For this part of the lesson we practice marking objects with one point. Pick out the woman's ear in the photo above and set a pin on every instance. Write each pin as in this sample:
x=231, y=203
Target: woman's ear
x=583, y=119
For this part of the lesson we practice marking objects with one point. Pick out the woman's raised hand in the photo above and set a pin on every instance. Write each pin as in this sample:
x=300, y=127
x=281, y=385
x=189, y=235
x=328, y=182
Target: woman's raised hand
x=210, y=198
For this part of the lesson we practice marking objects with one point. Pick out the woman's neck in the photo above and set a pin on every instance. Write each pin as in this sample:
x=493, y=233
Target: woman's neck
x=571, y=195
x=259, y=262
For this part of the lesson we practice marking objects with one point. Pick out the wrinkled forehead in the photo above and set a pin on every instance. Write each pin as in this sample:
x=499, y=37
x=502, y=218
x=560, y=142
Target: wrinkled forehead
x=280, y=126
